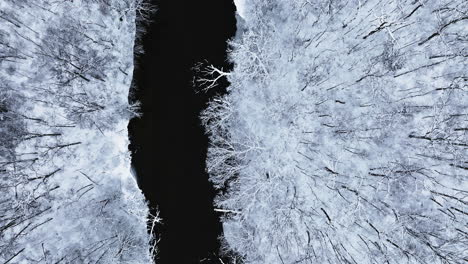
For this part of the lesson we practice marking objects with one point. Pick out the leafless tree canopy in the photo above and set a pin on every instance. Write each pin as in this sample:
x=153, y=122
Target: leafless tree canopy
x=66, y=193
x=343, y=138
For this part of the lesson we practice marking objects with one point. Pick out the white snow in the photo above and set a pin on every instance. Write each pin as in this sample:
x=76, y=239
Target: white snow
x=343, y=136
x=72, y=73
x=240, y=5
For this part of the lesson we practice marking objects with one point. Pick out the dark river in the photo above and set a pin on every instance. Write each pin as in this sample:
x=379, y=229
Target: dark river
x=168, y=144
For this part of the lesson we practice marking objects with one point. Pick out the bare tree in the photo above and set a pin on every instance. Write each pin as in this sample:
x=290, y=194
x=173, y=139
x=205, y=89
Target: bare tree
x=342, y=138
x=66, y=190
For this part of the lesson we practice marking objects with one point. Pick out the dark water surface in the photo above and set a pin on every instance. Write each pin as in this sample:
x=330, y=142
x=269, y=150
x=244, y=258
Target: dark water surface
x=168, y=143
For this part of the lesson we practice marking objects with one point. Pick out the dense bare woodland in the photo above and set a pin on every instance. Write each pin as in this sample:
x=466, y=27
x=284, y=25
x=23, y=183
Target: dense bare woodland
x=66, y=192
x=343, y=138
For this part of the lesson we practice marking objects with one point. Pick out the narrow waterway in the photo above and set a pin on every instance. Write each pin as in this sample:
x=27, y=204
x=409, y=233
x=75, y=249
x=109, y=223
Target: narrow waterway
x=168, y=143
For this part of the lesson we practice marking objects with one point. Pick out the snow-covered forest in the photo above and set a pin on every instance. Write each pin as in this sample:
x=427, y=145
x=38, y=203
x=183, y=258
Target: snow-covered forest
x=66, y=191
x=343, y=137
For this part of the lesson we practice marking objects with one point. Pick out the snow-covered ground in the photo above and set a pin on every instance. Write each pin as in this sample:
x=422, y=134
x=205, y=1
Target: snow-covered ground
x=240, y=6
x=343, y=138
x=66, y=191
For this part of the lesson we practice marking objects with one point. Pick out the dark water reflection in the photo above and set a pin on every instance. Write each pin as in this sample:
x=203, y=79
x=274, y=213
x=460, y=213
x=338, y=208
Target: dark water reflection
x=168, y=143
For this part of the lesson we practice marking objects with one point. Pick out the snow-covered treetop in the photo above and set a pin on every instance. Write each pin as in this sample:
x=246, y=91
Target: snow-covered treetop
x=343, y=138
x=66, y=192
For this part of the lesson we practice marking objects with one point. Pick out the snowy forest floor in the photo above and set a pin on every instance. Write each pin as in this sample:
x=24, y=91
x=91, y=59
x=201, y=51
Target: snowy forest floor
x=66, y=191
x=344, y=134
